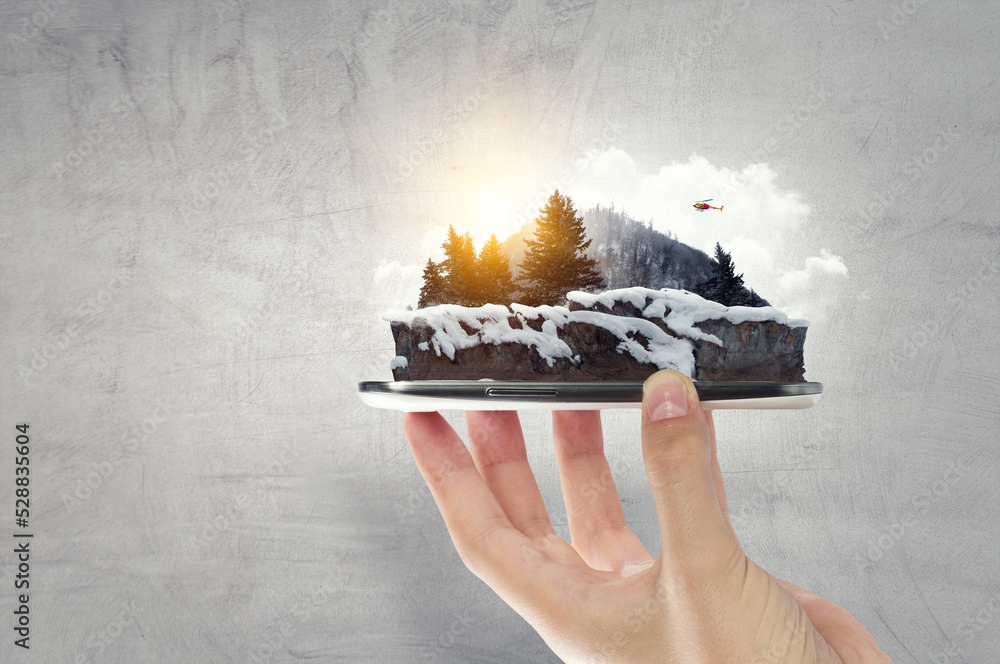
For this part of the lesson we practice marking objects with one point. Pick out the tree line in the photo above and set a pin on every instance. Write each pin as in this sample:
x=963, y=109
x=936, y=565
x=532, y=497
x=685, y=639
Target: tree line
x=556, y=261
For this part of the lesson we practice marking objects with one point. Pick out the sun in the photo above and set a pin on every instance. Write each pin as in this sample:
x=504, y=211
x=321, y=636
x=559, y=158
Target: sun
x=492, y=211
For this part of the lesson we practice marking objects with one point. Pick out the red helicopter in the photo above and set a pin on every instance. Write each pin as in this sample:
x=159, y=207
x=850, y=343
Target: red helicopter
x=703, y=205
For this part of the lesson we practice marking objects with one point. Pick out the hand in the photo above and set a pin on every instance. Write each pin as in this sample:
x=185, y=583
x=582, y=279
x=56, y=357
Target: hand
x=602, y=597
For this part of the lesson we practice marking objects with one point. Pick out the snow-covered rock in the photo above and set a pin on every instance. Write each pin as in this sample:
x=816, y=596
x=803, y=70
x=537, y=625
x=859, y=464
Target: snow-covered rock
x=730, y=343
x=623, y=334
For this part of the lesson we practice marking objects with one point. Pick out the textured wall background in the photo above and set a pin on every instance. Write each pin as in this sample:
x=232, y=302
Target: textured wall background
x=196, y=197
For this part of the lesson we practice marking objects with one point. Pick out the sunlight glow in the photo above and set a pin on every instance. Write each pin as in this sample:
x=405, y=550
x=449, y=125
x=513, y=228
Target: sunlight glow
x=491, y=211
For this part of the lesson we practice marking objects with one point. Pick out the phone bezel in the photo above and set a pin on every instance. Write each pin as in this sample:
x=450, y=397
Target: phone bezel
x=516, y=395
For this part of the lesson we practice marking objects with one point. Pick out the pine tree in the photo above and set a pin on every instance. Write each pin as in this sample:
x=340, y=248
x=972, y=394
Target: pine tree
x=466, y=274
x=725, y=286
x=433, y=290
x=724, y=280
x=496, y=285
x=460, y=265
x=725, y=269
x=555, y=262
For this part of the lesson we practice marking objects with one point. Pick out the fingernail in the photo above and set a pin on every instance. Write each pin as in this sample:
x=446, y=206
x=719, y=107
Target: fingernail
x=667, y=398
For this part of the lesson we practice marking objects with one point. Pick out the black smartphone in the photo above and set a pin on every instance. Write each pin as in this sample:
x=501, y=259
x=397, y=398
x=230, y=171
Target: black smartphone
x=431, y=395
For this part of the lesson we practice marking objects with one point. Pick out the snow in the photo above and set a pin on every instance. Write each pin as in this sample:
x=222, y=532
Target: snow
x=398, y=362
x=558, y=315
x=490, y=324
x=664, y=350
x=686, y=309
x=456, y=327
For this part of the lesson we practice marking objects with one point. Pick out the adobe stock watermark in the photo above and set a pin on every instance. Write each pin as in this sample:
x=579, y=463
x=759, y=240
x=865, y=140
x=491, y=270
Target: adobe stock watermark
x=108, y=124
x=79, y=491
x=209, y=186
x=384, y=20
x=419, y=502
x=56, y=344
x=32, y=26
x=604, y=141
x=448, y=637
x=109, y=633
x=242, y=496
x=254, y=319
x=637, y=618
x=706, y=34
x=453, y=119
x=777, y=487
x=899, y=16
x=974, y=625
x=982, y=619
x=919, y=505
x=933, y=328
x=912, y=171
x=795, y=630
x=287, y=625
x=780, y=132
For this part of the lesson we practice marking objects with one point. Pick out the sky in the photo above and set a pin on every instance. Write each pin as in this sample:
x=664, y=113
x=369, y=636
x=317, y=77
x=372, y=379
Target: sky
x=762, y=225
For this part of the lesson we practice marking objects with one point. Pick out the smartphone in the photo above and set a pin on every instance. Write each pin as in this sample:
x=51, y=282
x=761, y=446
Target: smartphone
x=431, y=395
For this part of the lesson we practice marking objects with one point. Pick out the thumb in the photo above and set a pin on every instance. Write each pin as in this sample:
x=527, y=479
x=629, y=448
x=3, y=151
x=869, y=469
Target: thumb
x=677, y=452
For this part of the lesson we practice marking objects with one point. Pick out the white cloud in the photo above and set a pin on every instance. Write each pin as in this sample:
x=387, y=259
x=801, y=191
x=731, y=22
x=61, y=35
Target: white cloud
x=807, y=292
x=762, y=225
x=750, y=256
x=816, y=266
x=431, y=247
x=399, y=284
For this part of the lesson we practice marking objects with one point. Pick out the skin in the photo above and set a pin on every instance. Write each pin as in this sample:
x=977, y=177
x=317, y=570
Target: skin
x=601, y=597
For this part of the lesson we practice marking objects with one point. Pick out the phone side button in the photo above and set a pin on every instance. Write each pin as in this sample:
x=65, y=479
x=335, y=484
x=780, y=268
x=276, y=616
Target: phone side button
x=520, y=392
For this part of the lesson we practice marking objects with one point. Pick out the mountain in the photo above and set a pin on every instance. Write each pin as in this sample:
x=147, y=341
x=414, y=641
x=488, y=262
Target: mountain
x=631, y=253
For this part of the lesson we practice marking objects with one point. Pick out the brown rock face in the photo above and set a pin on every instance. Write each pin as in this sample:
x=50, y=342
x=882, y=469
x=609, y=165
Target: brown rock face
x=561, y=345
x=594, y=349
x=752, y=350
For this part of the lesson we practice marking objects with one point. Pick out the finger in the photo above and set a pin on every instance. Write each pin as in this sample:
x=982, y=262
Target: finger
x=677, y=452
x=720, y=487
x=497, y=446
x=489, y=545
x=596, y=521
x=484, y=537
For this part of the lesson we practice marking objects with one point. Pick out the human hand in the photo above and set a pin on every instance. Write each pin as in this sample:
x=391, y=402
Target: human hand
x=602, y=597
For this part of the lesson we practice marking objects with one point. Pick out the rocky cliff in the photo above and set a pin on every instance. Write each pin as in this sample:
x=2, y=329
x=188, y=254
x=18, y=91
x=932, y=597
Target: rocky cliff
x=621, y=335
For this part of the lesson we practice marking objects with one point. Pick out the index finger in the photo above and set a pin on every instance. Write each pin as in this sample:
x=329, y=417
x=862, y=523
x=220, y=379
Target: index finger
x=489, y=545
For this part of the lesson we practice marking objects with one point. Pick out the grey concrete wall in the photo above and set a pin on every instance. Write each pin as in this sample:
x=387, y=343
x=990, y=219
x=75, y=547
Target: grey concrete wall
x=196, y=197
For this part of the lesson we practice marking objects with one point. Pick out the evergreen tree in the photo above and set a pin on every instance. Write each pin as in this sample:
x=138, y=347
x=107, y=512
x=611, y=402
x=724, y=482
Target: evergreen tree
x=754, y=300
x=724, y=282
x=555, y=262
x=466, y=276
x=433, y=290
x=496, y=286
x=725, y=286
x=460, y=265
x=725, y=269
